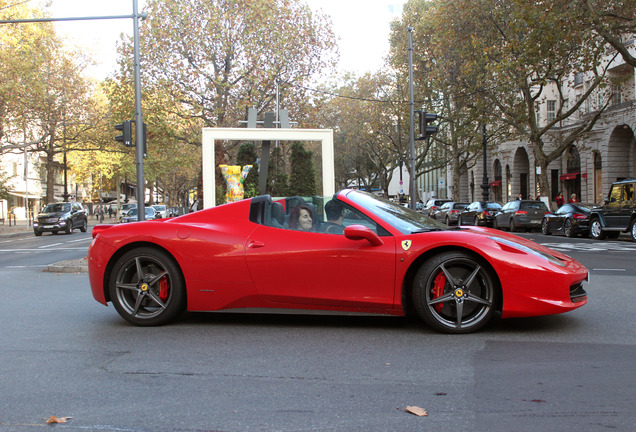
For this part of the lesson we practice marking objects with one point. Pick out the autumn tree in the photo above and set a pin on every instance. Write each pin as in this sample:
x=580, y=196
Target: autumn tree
x=516, y=55
x=613, y=20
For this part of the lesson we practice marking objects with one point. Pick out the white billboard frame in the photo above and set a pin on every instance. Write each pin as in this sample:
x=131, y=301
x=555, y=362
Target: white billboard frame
x=210, y=135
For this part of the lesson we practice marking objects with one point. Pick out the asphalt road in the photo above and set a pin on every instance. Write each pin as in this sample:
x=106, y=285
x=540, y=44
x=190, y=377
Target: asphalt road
x=65, y=355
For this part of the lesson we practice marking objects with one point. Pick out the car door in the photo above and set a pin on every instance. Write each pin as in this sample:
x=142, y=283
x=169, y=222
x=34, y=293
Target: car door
x=561, y=216
x=309, y=268
x=627, y=205
x=612, y=209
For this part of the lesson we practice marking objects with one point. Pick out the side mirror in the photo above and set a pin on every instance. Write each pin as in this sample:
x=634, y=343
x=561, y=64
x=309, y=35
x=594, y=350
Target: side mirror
x=360, y=232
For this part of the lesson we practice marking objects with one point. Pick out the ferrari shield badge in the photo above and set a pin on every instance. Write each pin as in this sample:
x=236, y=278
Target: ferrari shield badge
x=406, y=244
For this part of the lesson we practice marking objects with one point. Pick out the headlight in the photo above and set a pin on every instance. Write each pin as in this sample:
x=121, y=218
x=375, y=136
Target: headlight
x=551, y=258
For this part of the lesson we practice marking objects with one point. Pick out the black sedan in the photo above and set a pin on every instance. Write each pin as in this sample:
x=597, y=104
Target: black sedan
x=449, y=212
x=521, y=214
x=570, y=219
x=479, y=213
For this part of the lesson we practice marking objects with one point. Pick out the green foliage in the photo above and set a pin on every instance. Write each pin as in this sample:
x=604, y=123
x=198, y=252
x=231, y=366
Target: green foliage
x=302, y=179
x=4, y=189
x=247, y=156
x=277, y=179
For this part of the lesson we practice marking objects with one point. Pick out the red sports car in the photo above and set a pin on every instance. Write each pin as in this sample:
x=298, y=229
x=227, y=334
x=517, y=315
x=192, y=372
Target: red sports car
x=350, y=253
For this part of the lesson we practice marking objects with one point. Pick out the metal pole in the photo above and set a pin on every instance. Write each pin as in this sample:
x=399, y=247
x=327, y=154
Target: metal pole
x=139, y=133
x=412, y=188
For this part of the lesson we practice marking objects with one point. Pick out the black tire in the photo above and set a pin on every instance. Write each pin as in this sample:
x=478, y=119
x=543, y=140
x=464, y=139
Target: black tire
x=596, y=231
x=37, y=233
x=455, y=292
x=459, y=221
x=632, y=230
x=513, y=227
x=155, y=298
x=69, y=227
x=84, y=226
x=495, y=225
x=568, y=229
x=545, y=229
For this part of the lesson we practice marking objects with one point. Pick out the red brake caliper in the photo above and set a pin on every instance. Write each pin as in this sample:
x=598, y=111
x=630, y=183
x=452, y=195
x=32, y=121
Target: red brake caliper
x=438, y=289
x=163, y=288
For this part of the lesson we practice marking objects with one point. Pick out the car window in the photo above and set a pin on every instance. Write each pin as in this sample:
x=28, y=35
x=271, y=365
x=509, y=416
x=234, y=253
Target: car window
x=564, y=209
x=615, y=193
x=533, y=205
x=493, y=206
x=628, y=192
x=446, y=206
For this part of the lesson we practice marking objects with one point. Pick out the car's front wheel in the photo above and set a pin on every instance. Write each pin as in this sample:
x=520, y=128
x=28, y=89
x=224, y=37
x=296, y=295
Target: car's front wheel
x=455, y=292
x=513, y=227
x=632, y=229
x=147, y=288
x=37, y=233
x=84, y=226
x=596, y=231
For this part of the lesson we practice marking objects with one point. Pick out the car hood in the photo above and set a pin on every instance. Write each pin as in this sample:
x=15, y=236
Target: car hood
x=53, y=214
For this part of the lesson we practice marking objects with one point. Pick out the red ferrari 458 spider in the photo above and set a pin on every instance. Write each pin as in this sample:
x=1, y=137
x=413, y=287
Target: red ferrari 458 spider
x=350, y=253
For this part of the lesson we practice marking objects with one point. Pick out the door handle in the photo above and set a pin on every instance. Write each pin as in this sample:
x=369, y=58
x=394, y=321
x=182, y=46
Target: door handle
x=255, y=244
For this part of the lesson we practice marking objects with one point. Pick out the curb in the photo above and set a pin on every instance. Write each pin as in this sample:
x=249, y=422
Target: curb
x=69, y=266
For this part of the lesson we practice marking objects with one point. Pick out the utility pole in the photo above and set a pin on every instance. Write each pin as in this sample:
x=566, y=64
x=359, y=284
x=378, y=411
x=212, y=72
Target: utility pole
x=412, y=186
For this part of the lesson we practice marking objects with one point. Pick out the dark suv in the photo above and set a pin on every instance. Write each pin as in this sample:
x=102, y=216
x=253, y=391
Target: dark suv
x=617, y=214
x=63, y=216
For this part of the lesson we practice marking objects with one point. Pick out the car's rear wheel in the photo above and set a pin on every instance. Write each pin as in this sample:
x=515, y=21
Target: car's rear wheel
x=147, y=288
x=495, y=225
x=84, y=226
x=568, y=229
x=545, y=229
x=455, y=292
x=513, y=227
x=596, y=231
x=476, y=221
x=459, y=221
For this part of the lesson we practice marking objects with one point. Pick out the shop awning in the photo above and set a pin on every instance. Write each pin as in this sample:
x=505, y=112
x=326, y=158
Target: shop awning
x=495, y=183
x=569, y=176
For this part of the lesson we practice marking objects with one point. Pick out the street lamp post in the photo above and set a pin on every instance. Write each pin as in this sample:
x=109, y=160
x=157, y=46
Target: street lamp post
x=484, y=185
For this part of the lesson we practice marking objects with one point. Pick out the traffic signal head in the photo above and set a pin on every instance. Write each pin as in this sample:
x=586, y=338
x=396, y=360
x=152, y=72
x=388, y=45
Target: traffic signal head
x=424, y=120
x=126, y=136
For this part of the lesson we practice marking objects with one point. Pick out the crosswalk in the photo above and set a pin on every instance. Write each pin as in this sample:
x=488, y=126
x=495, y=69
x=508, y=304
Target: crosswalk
x=592, y=247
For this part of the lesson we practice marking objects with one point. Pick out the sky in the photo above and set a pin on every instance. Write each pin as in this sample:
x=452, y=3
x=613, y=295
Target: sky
x=362, y=27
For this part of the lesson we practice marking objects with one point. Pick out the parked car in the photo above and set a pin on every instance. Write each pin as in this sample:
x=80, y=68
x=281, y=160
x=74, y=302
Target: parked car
x=449, y=212
x=162, y=211
x=433, y=205
x=479, y=213
x=617, y=214
x=132, y=216
x=521, y=214
x=125, y=208
x=61, y=216
x=571, y=219
x=387, y=260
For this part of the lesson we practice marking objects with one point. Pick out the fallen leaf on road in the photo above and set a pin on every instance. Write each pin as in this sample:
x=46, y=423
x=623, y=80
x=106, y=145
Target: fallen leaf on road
x=54, y=419
x=420, y=412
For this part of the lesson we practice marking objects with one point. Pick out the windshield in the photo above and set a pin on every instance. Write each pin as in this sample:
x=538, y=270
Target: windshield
x=57, y=207
x=404, y=219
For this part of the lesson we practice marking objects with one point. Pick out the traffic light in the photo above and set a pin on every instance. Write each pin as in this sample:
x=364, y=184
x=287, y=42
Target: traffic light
x=424, y=119
x=126, y=136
